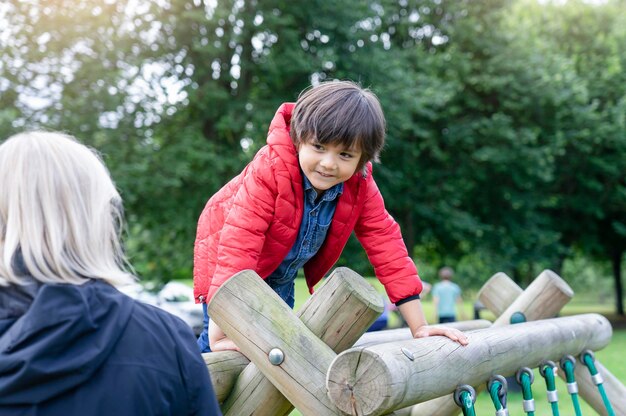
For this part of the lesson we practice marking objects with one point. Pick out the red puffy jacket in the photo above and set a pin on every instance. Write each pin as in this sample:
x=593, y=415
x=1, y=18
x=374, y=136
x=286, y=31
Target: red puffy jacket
x=253, y=221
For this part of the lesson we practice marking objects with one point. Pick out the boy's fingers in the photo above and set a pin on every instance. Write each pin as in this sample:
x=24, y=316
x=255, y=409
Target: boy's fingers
x=457, y=335
x=453, y=334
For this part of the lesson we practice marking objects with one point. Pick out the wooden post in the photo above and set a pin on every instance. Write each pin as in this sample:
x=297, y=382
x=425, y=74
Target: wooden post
x=264, y=328
x=615, y=390
x=543, y=298
x=258, y=321
x=339, y=312
x=379, y=379
x=226, y=366
x=498, y=293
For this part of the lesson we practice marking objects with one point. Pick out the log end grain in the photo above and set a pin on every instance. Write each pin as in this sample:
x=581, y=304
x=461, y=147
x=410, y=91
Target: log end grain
x=358, y=383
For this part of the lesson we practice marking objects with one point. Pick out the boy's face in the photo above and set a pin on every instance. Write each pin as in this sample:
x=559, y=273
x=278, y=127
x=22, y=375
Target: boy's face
x=326, y=165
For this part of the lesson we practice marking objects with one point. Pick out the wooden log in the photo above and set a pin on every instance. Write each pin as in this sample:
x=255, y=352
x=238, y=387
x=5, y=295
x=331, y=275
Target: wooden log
x=338, y=312
x=342, y=309
x=543, y=298
x=378, y=379
x=402, y=334
x=615, y=389
x=258, y=321
x=498, y=293
x=224, y=368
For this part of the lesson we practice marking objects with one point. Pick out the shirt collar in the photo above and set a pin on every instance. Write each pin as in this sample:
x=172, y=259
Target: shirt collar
x=328, y=195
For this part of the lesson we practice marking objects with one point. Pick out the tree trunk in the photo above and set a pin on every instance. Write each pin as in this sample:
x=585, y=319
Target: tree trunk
x=616, y=261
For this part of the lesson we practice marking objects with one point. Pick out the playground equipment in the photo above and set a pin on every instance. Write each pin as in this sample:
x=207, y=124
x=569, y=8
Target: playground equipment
x=295, y=361
x=587, y=384
x=378, y=379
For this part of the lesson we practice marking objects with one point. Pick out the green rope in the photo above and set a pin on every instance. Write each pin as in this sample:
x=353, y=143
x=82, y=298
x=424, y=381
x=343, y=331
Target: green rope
x=572, y=387
x=494, y=392
x=547, y=371
x=527, y=393
x=588, y=360
x=467, y=404
x=555, y=408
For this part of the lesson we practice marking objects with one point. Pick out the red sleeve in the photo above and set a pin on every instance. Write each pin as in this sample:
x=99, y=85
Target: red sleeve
x=380, y=236
x=243, y=234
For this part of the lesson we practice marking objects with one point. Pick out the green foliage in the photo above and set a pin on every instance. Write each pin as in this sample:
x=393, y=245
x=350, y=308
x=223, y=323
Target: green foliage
x=506, y=146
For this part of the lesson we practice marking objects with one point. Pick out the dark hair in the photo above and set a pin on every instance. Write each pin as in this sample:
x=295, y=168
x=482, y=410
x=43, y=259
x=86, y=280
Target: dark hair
x=340, y=112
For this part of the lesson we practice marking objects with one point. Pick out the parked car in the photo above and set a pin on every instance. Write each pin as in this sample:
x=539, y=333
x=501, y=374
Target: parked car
x=175, y=298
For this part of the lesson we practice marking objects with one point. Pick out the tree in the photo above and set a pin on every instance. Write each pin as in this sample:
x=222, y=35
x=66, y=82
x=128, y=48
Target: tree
x=589, y=183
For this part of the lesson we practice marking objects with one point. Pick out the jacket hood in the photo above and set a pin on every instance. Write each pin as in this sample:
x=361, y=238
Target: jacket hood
x=282, y=122
x=61, y=339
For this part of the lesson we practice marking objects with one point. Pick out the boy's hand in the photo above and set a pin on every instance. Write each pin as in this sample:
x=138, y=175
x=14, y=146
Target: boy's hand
x=414, y=316
x=452, y=333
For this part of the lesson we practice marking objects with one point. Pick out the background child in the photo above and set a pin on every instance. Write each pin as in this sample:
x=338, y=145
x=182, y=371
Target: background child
x=446, y=295
x=296, y=204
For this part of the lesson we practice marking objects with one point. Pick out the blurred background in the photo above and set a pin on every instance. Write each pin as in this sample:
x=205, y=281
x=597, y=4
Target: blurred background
x=506, y=146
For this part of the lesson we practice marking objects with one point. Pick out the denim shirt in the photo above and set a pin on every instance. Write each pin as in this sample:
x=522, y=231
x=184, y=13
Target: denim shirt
x=316, y=220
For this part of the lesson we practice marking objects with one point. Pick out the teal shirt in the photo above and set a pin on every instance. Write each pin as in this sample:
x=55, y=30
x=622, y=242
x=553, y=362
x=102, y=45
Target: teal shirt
x=448, y=294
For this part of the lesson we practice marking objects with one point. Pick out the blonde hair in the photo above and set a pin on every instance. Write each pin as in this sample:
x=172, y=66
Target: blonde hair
x=59, y=211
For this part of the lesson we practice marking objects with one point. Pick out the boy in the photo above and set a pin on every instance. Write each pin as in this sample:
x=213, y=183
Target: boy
x=296, y=204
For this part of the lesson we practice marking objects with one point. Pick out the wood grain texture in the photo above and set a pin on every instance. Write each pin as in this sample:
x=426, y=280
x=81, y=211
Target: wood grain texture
x=339, y=312
x=587, y=389
x=403, y=334
x=543, y=298
x=224, y=368
x=615, y=389
x=378, y=379
x=548, y=287
x=258, y=320
x=498, y=293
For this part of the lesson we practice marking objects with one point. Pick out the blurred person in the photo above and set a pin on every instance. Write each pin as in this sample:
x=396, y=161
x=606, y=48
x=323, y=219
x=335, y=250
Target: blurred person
x=70, y=342
x=446, y=296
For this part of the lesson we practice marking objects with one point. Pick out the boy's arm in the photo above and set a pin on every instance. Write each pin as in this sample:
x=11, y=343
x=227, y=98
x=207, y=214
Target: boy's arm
x=380, y=236
x=414, y=316
x=218, y=341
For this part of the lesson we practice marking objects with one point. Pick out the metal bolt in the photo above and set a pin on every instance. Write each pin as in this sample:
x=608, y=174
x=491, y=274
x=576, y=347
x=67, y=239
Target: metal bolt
x=276, y=356
x=408, y=354
x=518, y=317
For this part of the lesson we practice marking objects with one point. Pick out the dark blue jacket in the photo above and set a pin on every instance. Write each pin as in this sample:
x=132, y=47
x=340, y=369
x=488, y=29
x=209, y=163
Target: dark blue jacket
x=91, y=350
